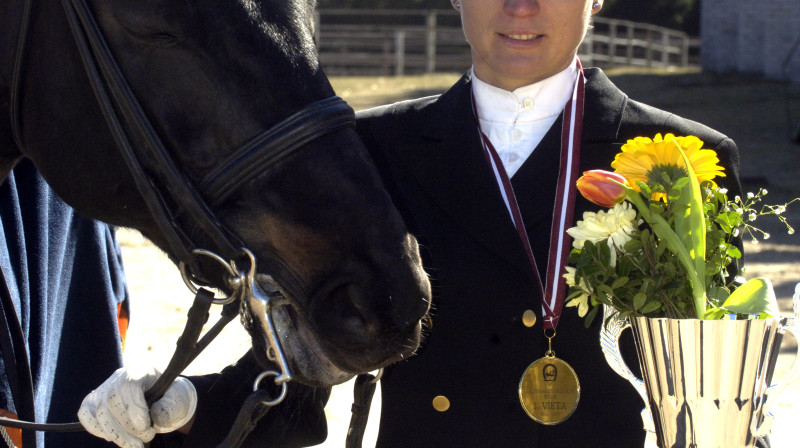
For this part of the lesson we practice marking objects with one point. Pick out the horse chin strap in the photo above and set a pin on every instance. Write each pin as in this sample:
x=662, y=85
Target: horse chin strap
x=255, y=309
x=255, y=306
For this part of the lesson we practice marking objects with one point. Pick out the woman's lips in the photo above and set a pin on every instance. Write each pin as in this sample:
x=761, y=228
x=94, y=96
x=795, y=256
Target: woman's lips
x=521, y=36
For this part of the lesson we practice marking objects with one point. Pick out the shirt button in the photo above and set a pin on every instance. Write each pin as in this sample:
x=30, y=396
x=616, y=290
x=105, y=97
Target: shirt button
x=513, y=157
x=527, y=103
x=441, y=403
x=517, y=135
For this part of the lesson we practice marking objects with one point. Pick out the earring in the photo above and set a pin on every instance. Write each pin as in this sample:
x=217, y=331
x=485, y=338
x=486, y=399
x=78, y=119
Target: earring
x=458, y=5
x=595, y=5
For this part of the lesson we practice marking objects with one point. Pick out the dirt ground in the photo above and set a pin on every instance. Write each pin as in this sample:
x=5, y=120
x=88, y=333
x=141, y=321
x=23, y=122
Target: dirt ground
x=759, y=115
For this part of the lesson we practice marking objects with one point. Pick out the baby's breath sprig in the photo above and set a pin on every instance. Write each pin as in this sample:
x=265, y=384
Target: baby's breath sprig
x=752, y=209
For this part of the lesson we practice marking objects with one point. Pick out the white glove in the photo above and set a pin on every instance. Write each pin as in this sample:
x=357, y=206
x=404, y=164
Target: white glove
x=117, y=411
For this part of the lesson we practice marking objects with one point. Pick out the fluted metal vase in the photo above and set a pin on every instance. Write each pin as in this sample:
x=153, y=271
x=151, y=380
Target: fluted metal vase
x=706, y=383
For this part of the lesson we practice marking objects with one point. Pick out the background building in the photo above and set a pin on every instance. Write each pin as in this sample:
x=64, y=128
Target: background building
x=751, y=36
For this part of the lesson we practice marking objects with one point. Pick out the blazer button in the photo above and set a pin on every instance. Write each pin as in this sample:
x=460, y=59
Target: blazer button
x=441, y=403
x=529, y=318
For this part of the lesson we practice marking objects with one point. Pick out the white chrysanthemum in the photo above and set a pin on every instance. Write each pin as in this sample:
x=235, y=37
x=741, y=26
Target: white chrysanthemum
x=582, y=301
x=615, y=226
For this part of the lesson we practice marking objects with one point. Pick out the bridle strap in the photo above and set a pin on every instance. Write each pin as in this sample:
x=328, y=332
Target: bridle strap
x=315, y=120
x=363, y=390
x=174, y=203
x=16, y=127
x=137, y=140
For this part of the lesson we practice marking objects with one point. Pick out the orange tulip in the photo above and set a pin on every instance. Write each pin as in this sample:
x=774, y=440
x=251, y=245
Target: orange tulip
x=598, y=187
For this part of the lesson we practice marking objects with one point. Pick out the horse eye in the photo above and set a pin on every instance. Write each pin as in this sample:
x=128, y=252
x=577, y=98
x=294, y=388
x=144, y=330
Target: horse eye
x=165, y=39
x=155, y=38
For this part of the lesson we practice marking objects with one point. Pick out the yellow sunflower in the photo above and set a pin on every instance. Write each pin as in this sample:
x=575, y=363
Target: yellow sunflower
x=648, y=160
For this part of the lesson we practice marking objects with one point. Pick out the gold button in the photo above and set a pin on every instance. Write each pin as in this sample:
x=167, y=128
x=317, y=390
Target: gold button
x=441, y=403
x=529, y=318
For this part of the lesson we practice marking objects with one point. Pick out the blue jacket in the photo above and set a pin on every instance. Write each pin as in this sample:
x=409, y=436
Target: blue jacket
x=65, y=279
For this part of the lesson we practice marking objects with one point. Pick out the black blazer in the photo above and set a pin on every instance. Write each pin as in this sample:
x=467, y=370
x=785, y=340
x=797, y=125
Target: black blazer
x=431, y=159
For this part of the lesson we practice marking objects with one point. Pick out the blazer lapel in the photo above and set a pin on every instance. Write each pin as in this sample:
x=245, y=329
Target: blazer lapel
x=450, y=144
x=449, y=163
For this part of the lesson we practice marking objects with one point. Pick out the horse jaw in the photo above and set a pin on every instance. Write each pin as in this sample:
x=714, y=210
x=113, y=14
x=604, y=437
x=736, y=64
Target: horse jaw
x=306, y=356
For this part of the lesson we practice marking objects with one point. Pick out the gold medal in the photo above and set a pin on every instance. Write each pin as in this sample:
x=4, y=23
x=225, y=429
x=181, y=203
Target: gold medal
x=549, y=390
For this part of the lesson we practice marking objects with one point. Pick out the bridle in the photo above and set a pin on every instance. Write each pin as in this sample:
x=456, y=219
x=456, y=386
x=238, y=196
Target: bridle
x=181, y=209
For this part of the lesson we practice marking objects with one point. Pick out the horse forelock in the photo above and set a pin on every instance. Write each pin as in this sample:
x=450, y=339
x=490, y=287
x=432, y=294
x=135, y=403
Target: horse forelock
x=286, y=24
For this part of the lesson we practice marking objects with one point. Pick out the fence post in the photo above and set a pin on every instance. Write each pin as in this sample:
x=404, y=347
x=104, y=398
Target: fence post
x=430, y=42
x=612, y=42
x=685, y=51
x=629, y=49
x=665, y=48
x=399, y=53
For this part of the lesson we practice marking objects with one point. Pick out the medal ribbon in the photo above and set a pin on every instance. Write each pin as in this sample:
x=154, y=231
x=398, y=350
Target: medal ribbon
x=553, y=289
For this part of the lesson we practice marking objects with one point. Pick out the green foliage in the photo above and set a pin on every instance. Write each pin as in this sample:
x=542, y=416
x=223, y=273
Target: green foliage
x=652, y=279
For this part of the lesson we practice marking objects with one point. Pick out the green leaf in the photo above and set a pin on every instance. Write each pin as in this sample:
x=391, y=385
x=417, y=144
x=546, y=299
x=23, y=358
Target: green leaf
x=734, y=251
x=620, y=282
x=715, y=313
x=639, y=300
x=654, y=305
x=755, y=296
x=590, y=317
x=690, y=225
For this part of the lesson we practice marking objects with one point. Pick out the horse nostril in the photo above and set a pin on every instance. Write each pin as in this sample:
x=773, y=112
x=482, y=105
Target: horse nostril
x=357, y=313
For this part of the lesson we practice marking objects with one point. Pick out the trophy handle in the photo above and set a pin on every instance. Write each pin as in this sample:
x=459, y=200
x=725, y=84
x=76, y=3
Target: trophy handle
x=773, y=391
x=610, y=332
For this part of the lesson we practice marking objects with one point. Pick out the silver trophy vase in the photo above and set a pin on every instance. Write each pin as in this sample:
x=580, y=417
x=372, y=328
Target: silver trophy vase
x=706, y=383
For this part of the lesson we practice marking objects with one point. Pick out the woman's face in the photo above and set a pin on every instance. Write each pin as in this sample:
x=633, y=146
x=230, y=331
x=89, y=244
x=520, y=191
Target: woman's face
x=519, y=42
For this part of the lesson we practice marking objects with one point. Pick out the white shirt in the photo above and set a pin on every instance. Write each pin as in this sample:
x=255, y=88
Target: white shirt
x=516, y=122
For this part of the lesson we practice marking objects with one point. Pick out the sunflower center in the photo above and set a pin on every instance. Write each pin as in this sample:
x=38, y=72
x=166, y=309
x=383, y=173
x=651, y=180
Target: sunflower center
x=665, y=175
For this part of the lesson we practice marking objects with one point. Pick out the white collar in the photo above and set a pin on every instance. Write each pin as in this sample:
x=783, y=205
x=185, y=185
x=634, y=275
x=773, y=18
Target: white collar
x=549, y=96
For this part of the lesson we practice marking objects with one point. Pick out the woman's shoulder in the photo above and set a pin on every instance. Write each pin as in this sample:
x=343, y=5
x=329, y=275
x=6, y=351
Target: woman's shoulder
x=633, y=118
x=644, y=119
x=402, y=110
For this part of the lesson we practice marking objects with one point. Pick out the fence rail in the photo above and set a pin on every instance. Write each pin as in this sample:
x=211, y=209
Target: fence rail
x=398, y=42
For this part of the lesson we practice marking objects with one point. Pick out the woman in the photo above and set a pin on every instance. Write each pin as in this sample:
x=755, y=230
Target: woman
x=443, y=160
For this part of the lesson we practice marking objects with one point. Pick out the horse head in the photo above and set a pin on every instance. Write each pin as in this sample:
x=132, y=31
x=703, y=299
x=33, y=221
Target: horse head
x=209, y=77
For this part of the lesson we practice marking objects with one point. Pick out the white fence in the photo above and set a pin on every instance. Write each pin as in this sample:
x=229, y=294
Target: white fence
x=397, y=42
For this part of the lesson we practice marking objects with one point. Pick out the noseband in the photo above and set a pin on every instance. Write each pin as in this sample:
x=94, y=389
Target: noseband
x=179, y=208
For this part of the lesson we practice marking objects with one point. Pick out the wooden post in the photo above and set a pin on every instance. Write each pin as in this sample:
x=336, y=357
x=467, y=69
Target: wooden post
x=685, y=51
x=629, y=49
x=430, y=42
x=665, y=48
x=399, y=53
x=612, y=42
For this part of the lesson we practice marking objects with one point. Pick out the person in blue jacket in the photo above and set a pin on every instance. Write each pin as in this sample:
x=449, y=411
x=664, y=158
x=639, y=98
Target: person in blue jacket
x=63, y=310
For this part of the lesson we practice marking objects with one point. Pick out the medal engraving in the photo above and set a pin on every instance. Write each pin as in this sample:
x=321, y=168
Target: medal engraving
x=549, y=391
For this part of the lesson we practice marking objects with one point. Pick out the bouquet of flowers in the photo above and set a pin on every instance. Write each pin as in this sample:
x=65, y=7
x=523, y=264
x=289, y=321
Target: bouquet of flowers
x=669, y=243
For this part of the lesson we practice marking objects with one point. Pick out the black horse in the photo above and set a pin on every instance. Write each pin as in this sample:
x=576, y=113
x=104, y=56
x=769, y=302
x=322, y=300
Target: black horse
x=210, y=77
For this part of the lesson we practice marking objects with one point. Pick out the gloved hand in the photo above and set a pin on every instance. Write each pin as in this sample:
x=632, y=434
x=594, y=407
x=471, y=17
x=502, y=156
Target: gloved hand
x=117, y=411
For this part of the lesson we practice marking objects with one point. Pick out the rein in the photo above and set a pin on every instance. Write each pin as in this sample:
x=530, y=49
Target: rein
x=181, y=209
